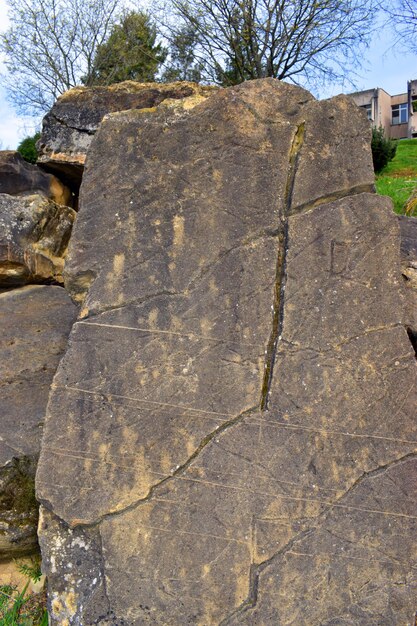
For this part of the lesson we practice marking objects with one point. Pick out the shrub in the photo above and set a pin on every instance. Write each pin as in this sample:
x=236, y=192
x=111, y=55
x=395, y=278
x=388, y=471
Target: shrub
x=27, y=148
x=383, y=149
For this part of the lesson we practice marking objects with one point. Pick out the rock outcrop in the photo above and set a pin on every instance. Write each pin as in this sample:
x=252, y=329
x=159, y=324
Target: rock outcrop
x=408, y=228
x=34, y=235
x=18, y=177
x=69, y=127
x=35, y=322
x=230, y=436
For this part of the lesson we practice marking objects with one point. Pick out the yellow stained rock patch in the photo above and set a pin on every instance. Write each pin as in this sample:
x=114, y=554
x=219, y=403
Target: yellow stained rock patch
x=64, y=607
x=178, y=232
x=218, y=177
x=63, y=157
x=153, y=318
x=118, y=263
x=213, y=287
x=166, y=462
x=205, y=325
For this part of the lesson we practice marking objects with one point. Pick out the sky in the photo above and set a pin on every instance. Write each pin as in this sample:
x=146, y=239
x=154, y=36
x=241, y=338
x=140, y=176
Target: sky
x=384, y=65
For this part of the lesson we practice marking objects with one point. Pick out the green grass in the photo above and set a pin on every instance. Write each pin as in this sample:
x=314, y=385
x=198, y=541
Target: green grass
x=18, y=608
x=398, y=179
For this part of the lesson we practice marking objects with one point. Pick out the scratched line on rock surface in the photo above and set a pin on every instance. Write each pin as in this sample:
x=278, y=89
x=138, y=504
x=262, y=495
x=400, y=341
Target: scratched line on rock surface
x=187, y=335
x=325, y=556
x=194, y=534
x=259, y=421
x=277, y=496
x=110, y=395
x=95, y=459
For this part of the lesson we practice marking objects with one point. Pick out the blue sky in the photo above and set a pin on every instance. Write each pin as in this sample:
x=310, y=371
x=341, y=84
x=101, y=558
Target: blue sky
x=385, y=65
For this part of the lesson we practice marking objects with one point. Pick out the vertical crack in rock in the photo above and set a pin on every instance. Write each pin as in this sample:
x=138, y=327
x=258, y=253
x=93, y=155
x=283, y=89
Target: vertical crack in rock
x=278, y=305
x=255, y=572
x=257, y=569
x=297, y=144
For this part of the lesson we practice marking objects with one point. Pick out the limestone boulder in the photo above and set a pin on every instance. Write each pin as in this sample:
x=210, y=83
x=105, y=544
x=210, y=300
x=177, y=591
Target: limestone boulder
x=35, y=323
x=69, y=127
x=18, y=177
x=408, y=229
x=34, y=235
x=230, y=436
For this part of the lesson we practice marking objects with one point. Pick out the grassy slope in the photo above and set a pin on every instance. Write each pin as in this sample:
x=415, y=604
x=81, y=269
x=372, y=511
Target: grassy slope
x=399, y=178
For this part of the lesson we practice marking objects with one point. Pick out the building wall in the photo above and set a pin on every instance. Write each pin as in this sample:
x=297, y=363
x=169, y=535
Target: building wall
x=381, y=104
x=384, y=112
x=412, y=122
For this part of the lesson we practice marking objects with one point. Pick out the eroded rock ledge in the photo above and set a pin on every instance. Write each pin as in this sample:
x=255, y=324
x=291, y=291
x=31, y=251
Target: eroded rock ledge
x=230, y=434
x=34, y=237
x=70, y=125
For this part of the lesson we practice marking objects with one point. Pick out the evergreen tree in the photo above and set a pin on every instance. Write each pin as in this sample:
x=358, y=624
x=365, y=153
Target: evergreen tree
x=130, y=52
x=183, y=64
x=27, y=148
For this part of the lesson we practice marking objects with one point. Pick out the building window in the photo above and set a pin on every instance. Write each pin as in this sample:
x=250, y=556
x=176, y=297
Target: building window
x=400, y=113
x=368, y=109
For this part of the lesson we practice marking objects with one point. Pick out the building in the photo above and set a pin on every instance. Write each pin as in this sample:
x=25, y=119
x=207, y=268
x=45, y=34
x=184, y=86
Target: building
x=396, y=114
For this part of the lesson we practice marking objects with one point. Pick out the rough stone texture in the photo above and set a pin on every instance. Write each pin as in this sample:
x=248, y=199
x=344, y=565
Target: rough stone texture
x=239, y=391
x=69, y=127
x=408, y=228
x=35, y=322
x=34, y=235
x=18, y=177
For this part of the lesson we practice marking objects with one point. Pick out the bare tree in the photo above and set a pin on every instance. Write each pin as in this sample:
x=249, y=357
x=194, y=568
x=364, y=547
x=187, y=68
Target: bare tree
x=402, y=16
x=50, y=46
x=307, y=41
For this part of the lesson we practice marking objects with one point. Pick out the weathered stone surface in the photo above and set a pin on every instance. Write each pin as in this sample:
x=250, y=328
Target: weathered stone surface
x=35, y=322
x=240, y=384
x=34, y=235
x=69, y=127
x=408, y=228
x=18, y=177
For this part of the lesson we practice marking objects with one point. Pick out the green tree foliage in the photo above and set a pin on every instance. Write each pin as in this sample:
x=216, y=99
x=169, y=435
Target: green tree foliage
x=27, y=148
x=49, y=46
x=130, y=53
x=312, y=41
x=183, y=64
x=383, y=149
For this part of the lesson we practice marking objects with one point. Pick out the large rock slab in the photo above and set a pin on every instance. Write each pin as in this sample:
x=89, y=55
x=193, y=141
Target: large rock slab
x=70, y=125
x=18, y=177
x=408, y=229
x=239, y=388
x=35, y=322
x=34, y=235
